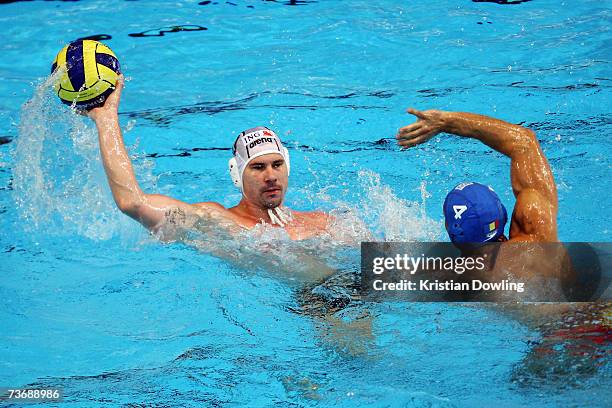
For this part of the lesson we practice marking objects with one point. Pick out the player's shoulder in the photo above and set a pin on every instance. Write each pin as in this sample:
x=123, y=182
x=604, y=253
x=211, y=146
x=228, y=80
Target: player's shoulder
x=211, y=207
x=311, y=214
x=319, y=218
x=218, y=212
x=534, y=218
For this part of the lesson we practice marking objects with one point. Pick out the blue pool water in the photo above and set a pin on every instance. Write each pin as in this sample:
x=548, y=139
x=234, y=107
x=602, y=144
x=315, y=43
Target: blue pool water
x=93, y=304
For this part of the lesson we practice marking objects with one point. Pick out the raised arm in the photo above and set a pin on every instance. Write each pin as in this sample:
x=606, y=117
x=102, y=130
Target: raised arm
x=535, y=212
x=151, y=210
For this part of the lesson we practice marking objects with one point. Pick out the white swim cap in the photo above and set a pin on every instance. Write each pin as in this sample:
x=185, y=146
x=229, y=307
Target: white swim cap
x=253, y=143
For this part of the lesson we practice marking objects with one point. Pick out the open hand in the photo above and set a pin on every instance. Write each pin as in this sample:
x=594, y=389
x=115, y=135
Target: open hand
x=428, y=124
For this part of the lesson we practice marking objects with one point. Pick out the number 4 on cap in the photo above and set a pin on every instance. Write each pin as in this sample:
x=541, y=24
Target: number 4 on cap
x=459, y=209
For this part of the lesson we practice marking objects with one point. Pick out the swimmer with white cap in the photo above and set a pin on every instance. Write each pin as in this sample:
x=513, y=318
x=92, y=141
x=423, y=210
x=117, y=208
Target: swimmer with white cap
x=259, y=168
x=260, y=156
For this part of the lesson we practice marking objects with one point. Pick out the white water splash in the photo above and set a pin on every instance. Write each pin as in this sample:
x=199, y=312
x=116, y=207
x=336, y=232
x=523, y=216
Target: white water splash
x=392, y=218
x=59, y=185
x=377, y=214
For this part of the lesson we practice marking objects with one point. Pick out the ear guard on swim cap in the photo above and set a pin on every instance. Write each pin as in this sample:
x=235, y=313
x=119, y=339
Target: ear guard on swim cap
x=474, y=214
x=251, y=144
x=234, y=172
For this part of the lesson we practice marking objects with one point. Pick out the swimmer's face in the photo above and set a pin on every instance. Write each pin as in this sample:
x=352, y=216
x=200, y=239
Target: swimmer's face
x=265, y=180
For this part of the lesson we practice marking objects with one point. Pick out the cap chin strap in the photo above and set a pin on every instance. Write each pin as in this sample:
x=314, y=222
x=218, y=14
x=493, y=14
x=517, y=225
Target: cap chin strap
x=281, y=217
x=235, y=173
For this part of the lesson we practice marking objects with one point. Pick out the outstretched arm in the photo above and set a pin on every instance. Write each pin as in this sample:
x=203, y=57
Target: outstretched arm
x=535, y=212
x=149, y=209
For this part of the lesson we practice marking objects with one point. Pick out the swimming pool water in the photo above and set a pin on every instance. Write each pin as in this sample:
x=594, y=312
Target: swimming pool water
x=93, y=304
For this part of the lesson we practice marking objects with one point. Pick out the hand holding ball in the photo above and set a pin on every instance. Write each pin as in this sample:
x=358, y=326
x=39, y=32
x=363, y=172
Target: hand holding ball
x=89, y=74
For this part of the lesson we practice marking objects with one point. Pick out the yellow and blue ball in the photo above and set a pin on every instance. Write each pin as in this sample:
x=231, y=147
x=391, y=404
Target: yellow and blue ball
x=89, y=73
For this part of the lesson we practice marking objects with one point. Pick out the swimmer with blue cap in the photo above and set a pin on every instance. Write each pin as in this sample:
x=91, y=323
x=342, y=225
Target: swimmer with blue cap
x=474, y=214
x=259, y=168
x=475, y=218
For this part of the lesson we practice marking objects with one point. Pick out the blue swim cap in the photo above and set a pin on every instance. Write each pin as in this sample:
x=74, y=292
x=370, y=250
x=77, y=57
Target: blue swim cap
x=474, y=213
